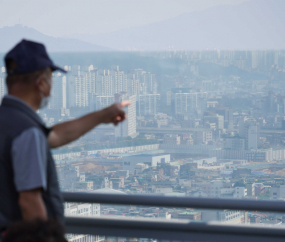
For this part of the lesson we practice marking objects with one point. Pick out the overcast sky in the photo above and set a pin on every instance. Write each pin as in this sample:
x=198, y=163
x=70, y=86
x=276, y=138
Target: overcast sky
x=68, y=17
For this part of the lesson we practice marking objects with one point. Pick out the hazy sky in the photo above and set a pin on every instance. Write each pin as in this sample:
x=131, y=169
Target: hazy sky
x=67, y=17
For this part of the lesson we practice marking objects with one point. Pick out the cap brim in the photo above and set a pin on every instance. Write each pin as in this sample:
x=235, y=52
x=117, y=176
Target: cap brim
x=57, y=68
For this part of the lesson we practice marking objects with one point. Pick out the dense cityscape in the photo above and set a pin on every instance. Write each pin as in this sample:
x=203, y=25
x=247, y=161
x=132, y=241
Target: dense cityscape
x=210, y=124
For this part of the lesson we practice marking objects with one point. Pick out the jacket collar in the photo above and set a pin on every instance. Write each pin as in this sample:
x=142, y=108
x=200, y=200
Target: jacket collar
x=16, y=103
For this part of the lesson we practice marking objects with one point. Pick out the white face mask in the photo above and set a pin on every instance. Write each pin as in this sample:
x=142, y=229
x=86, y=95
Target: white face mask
x=45, y=100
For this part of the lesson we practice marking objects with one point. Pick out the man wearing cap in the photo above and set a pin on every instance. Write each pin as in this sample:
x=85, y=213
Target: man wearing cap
x=28, y=181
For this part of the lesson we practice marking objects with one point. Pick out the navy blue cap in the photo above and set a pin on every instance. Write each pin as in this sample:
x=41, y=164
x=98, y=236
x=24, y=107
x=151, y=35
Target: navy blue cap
x=29, y=56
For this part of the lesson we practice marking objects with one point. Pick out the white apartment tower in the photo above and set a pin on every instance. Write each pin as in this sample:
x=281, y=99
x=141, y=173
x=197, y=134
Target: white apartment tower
x=104, y=101
x=134, y=86
x=3, y=90
x=71, y=91
x=105, y=83
x=91, y=80
x=81, y=89
x=148, y=104
x=249, y=130
x=59, y=92
x=185, y=102
x=119, y=80
x=85, y=210
x=87, y=82
x=252, y=137
x=129, y=126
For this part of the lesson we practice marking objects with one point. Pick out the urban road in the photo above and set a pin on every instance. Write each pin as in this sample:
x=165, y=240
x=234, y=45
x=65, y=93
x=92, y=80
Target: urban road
x=144, y=130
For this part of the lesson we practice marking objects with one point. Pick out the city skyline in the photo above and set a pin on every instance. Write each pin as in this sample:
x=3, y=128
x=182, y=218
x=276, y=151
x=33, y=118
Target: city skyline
x=202, y=124
x=158, y=105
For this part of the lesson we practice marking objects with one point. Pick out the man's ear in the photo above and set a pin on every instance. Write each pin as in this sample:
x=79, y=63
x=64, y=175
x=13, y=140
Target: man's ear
x=41, y=84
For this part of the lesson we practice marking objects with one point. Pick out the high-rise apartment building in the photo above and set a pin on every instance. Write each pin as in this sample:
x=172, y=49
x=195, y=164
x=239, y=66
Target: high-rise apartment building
x=84, y=82
x=151, y=83
x=91, y=80
x=146, y=82
x=228, y=117
x=86, y=210
x=129, y=126
x=119, y=80
x=104, y=101
x=81, y=97
x=207, y=85
x=217, y=119
x=3, y=90
x=202, y=137
x=104, y=83
x=254, y=59
x=185, y=102
x=133, y=86
x=234, y=143
x=251, y=137
x=249, y=130
x=71, y=91
x=77, y=88
x=59, y=92
x=148, y=104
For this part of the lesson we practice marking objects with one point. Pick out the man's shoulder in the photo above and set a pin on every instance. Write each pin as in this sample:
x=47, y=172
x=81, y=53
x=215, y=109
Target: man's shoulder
x=33, y=133
x=12, y=115
x=13, y=121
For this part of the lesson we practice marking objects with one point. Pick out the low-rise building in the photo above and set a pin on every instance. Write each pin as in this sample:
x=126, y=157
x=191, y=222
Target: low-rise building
x=192, y=215
x=130, y=161
x=83, y=185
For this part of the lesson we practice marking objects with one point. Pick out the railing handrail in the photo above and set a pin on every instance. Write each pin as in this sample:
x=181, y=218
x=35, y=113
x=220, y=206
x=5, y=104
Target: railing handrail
x=179, y=202
x=172, y=230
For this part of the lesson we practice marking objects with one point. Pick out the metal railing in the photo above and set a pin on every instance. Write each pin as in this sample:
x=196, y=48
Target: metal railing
x=172, y=229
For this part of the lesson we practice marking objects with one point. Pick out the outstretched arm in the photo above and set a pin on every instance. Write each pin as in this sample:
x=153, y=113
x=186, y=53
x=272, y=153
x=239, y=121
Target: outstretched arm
x=67, y=132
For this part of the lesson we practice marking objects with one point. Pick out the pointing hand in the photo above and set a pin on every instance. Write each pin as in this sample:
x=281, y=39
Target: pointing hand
x=115, y=113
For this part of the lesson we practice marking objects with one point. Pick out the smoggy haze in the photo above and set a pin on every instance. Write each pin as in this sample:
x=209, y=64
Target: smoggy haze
x=63, y=18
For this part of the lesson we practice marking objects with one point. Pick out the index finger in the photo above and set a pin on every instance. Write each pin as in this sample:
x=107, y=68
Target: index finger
x=125, y=103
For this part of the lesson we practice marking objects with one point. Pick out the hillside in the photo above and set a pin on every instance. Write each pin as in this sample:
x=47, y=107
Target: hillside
x=9, y=36
x=255, y=24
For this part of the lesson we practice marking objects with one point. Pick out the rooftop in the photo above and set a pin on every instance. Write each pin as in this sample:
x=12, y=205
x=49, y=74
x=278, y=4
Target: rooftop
x=145, y=154
x=189, y=213
x=108, y=191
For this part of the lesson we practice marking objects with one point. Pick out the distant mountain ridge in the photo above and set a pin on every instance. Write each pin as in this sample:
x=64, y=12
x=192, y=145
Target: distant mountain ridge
x=255, y=24
x=9, y=36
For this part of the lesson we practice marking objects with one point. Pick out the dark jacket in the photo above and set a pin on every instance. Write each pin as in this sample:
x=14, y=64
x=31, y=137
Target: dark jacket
x=16, y=117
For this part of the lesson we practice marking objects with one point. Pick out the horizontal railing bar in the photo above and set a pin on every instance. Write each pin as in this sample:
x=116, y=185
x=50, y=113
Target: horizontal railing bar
x=185, y=202
x=170, y=230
